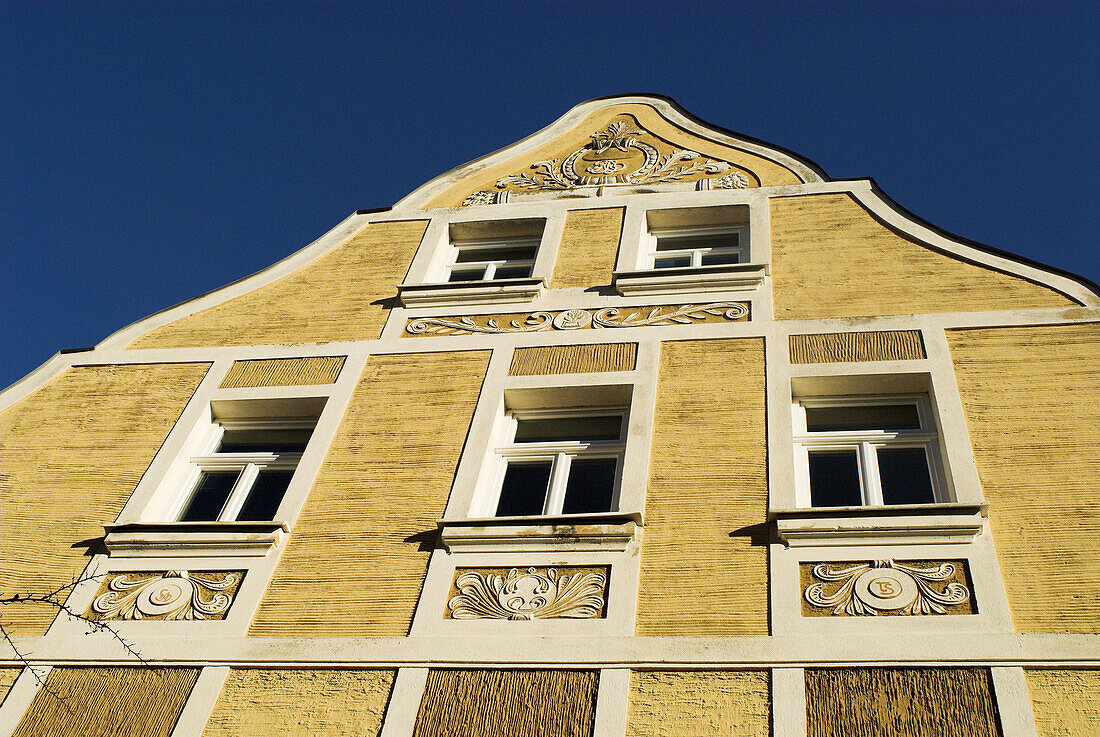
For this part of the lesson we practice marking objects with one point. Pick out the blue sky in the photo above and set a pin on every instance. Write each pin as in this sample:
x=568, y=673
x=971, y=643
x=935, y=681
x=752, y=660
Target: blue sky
x=154, y=151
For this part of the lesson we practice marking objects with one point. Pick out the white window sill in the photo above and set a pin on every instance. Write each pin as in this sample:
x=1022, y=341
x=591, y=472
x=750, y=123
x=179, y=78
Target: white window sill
x=192, y=539
x=470, y=292
x=604, y=531
x=910, y=524
x=686, y=279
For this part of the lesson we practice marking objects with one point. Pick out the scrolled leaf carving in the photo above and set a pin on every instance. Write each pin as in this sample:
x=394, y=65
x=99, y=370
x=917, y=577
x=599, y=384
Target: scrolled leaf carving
x=885, y=586
x=171, y=595
x=528, y=594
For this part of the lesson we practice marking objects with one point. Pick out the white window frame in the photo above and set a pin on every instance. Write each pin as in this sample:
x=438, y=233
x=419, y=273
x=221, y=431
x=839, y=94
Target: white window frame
x=248, y=465
x=866, y=443
x=696, y=254
x=561, y=454
x=489, y=267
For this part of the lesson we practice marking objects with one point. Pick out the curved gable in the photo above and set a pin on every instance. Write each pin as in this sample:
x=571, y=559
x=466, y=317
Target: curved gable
x=625, y=142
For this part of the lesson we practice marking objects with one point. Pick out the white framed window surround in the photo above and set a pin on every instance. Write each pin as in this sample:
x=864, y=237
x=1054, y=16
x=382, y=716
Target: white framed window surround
x=481, y=261
x=873, y=451
x=691, y=249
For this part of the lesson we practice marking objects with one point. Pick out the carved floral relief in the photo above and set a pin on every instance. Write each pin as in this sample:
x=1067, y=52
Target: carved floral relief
x=886, y=587
x=621, y=154
x=166, y=595
x=579, y=319
x=528, y=594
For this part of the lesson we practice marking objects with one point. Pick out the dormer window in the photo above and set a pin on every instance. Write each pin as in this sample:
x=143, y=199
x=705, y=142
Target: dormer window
x=672, y=248
x=493, y=258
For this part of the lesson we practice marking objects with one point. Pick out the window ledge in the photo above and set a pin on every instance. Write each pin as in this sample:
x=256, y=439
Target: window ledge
x=731, y=277
x=192, y=539
x=449, y=293
x=605, y=531
x=921, y=524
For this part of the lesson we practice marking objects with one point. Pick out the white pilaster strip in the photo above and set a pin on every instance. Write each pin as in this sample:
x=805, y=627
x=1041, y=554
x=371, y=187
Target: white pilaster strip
x=408, y=690
x=200, y=703
x=789, y=702
x=1013, y=702
x=19, y=698
x=612, y=702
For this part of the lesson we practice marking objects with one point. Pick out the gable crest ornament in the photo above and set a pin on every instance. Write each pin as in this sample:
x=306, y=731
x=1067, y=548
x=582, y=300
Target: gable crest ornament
x=615, y=156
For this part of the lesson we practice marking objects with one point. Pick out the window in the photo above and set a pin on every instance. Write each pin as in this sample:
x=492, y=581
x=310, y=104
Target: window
x=494, y=258
x=672, y=248
x=560, y=461
x=866, y=451
x=244, y=469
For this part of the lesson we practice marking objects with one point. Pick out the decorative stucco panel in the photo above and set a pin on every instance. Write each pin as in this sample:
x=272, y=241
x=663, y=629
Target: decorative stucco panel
x=700, y=703
x=342, y=295
x=300, y=703
x=557, y=592
x=357, y=555
x=573, y=359
x=832, y=258
x=1031, y=396
x=704, y=564
x=73, y=451
x=283, y=372
x=165, y=595
x=886, y=345
x=589, y=246
x=886, y=587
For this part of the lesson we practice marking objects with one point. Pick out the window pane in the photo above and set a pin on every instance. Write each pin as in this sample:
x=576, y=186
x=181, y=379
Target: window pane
x=264, y=498
x=497, y=253
x=209, y=497
x=887, y=417
x=834, y=478
x=512, y=272
x=672, y=263
x=904, y=475
x=466, y=274
x=264, y=441
x=600, y=427
x=524, y=489
x=714, y=259
x=684, y=242
x=590, y=486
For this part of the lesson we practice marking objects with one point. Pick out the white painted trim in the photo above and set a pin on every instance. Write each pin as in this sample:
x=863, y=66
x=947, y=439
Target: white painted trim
x=788, y=702
x=612, y=702
x=1013, y=702
x=20, y=696
x=201, y=701
x=404, y=703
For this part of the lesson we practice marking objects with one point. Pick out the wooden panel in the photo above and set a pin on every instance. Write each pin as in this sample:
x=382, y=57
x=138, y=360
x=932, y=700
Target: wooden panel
x=589, y=245
x=1066, y=702
x=573, y=359
x=516, y=703
x=345, y=294
x=757, y=169
x=901, y=702
x=704, y=552
x=7, y=679
x=356, y=558
x=284, y=372
x=888, y=345
x=108, y=702
x=73, y=452
x=1032, y=402
x=301, y=703
x=703, y=703
x=832, y=258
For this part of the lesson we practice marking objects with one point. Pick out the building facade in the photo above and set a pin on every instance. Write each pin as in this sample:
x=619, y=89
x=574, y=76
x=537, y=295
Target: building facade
x=635, y=428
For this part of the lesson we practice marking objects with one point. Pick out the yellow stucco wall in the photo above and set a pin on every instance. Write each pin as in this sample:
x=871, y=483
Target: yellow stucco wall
x=1032, y=401
x=284, y=372
x=357, y=555
x=589, y=245
x=885, y=345
x=1066, y=702
x=300, y=703
x=108, y=702
x=73, y=451
x=7, y=678
x=515, y=703
x=832, y=258
x=700, y=703
x=704, y=563
x=573, y=359
x=343, y=295
x=901, y=702
x=766, y=171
